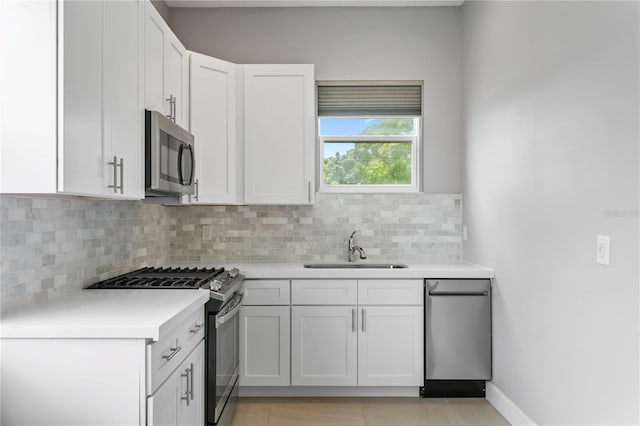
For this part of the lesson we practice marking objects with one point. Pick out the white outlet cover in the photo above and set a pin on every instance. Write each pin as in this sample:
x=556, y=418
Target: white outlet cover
x=603, y=249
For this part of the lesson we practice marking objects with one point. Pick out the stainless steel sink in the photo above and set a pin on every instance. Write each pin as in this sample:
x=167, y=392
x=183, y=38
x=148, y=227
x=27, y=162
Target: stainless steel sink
x=355, y=265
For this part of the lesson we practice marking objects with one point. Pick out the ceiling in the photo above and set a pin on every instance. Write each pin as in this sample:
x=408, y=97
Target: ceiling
x=312, y=3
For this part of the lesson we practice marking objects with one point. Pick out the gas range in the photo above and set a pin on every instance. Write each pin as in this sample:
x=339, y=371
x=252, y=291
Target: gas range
x=221, y=283
x=222, y=325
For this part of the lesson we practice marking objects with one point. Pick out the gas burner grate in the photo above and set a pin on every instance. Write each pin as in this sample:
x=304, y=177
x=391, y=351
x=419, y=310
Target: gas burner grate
x=161, y=278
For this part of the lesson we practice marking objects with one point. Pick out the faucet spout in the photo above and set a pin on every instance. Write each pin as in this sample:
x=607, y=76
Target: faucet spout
x=355, y=252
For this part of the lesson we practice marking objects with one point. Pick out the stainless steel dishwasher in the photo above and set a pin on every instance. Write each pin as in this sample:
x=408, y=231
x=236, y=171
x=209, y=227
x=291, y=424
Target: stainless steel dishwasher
x=457, y=337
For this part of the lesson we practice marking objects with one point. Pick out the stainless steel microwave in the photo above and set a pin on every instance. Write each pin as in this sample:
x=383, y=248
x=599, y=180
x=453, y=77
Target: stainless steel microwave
x=169, y=157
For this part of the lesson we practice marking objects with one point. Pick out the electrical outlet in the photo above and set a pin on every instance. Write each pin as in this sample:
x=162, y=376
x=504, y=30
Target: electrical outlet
x=602, y=250
x=206, y=232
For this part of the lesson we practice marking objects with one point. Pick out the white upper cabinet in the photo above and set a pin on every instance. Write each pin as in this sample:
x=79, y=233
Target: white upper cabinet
x=279, y=134
x=213, y=124
x=123, y=94
x=80, y=140
x=80, y=79
x=166, y=68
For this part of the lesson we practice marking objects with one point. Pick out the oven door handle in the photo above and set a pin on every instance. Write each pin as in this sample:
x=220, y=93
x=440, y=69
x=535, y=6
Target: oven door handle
x=237, y=304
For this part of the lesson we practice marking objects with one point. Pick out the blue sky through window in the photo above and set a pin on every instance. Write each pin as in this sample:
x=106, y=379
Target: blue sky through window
x=343, y=127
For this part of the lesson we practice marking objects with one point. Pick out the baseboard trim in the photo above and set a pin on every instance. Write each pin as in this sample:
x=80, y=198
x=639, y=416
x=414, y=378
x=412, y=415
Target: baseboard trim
x=328, y=391
x=506, y=407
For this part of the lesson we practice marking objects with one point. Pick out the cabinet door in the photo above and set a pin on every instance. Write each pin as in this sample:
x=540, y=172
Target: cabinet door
x=154, y=52
x=279, y=129
x=29, y=33
x=192, y=414
x=123, y=136
x=80, y=159
x=264, y=346
x=324, y=345
x=176, y=74
x=213, y=124
x=390, y=348
x=162, y=406
x=180, y=399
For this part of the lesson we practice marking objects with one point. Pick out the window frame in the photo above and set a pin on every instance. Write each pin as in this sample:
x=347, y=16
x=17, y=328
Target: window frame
x=416, y=158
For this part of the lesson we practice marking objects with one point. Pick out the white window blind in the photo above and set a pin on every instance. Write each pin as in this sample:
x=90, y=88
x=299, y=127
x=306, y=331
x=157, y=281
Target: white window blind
x=363, y=98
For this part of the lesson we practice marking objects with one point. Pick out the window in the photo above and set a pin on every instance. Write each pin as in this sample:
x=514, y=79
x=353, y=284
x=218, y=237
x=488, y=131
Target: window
x=369, y=136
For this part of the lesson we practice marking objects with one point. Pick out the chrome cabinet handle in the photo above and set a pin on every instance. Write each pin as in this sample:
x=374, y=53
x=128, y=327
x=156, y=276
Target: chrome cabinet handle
x=364, y=319
x=174, y=109
x=173, y=353
x=172, y=103
x=309, y=191
x=121, y=175
x=115, y=163
x=191, y=381
x=353, y=320
x=197, y=328
x=196, y=185
x=186, y=392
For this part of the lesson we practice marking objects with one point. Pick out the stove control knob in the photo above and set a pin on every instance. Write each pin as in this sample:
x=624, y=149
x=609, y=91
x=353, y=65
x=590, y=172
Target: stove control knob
x=215, y=285
x=233, y=273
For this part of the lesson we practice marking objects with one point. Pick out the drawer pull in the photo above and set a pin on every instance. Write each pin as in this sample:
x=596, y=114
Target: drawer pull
x=173, y=353
x=197, y=328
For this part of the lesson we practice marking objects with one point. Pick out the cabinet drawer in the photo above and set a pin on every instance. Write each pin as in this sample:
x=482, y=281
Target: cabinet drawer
x=166, y=354
x=324, y=292
x=266, y=292
x=390, y=292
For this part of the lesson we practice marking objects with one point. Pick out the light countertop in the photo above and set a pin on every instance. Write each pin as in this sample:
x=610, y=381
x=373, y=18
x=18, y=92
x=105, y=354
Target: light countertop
x=296, y=270
x=116, y=314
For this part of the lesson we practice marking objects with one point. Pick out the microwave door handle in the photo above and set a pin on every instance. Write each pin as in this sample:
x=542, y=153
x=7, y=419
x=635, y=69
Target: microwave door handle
x=193, y=164
x=180, y=150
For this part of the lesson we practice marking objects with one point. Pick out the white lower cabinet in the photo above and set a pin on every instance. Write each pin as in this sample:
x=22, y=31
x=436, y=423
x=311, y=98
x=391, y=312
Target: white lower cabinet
x=265, y=332
x=337, y=332
x=180, y=399
x=324, y=346
x=390, y=349
x=264, y=345
x=360, y=344
x=106, y=381
x=367, y=346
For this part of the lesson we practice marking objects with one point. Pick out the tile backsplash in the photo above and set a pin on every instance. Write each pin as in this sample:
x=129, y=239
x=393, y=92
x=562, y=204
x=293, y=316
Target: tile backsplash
x=394, y=227
x=50, y=246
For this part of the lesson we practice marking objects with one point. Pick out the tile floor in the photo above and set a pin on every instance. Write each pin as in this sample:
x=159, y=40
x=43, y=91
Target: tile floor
x=366, y=411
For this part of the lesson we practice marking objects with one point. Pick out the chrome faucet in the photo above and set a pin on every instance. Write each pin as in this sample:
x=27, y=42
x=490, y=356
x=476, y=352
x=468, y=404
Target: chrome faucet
x=353, y=249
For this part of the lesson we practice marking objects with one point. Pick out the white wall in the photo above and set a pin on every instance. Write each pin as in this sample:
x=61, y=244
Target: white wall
x=353, y=43
x=552, y=130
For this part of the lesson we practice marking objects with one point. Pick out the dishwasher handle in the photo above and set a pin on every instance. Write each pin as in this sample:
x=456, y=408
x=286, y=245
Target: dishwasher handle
x=458, y=293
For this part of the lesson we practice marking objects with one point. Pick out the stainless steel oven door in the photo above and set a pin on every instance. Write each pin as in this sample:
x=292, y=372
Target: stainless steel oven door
x=227, y=351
